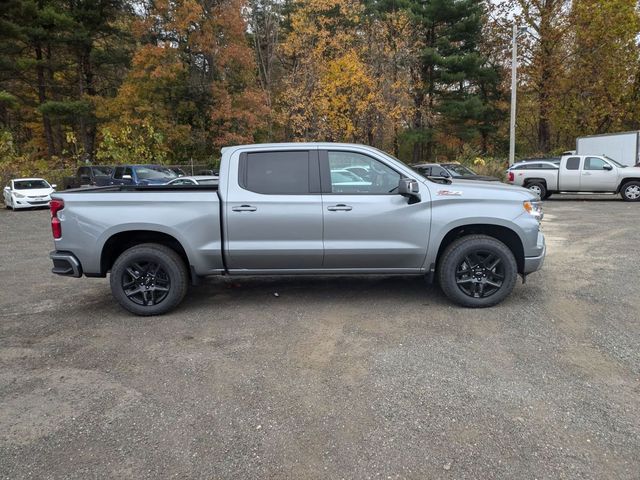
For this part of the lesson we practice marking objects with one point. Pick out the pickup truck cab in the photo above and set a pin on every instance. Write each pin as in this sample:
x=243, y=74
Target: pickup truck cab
x=577, y=173
x=279, y=209
x=142, y=175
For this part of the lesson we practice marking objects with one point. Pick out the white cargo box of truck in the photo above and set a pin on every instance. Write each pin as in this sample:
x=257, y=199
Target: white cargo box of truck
x=621, y=147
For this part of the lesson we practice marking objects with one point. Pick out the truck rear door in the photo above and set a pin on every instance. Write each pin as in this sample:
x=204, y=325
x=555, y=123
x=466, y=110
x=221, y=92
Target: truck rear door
x=273, y=211
x=367, y=224
x=570, y=173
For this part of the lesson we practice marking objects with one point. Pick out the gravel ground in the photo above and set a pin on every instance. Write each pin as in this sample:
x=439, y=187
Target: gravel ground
x=334, y=378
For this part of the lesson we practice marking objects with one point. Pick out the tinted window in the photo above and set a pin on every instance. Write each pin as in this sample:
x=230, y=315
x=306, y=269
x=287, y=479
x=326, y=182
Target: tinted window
x=573, y=163
x=440, y=172
x=276, y=173
x=594, y=163
x=118, y=173
x=379, y=178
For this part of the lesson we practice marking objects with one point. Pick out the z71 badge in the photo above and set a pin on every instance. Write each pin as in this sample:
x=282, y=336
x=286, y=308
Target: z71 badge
x=449, y=193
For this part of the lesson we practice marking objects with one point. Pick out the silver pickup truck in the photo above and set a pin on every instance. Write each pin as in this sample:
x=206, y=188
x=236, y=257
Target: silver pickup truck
x=289, y=209
x=577, y=173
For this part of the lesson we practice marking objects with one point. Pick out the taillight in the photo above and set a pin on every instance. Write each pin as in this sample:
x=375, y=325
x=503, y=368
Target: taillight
x=55, y=206
x=511, y=176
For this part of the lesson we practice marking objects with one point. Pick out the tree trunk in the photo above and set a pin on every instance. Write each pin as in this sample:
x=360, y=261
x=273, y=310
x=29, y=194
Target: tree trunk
x=87, y=122
x=42, y=98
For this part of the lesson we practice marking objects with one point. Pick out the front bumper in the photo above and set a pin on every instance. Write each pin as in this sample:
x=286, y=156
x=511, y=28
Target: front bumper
x=28, y=202
x=65, y=264
x=533, y=264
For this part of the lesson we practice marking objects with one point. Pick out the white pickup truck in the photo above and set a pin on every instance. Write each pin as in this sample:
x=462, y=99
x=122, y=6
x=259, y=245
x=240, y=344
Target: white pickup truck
x=577, y=173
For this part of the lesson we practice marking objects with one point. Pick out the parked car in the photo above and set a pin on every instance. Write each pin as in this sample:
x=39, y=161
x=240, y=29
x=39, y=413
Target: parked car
x=555, y=160
x=195, y=180
x=94, y=175
x=27, y=193
x=142, y=175
x=576, y=174
x=279, y=210
x=451, y=170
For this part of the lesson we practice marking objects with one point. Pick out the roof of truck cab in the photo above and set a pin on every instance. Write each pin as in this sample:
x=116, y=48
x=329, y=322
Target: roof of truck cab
x=299, y=144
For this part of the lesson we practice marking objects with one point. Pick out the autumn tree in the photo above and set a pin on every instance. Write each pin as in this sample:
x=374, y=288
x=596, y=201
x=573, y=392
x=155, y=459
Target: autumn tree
x=193, y=79
x=604, y=60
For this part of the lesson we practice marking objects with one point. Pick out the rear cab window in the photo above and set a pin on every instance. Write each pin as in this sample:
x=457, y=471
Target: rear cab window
x=280, y=172
x=573, y=163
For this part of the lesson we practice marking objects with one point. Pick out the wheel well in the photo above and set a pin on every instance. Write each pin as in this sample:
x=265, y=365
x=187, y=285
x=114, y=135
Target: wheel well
x=122, y=241
x=503, y=234
x=535, y=180
x=625, y=181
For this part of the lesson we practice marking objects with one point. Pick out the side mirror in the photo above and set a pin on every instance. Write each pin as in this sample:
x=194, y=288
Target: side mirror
x=54, y=185
x=127, y=177
x=607, y=167
x=7, y=189
x=408, y=187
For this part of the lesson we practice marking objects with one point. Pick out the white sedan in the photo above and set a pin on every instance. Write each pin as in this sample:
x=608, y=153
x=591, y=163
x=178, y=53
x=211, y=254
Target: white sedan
x=27, y=193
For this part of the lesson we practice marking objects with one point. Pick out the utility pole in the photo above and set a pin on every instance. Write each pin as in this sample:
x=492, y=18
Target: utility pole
x=514, y=86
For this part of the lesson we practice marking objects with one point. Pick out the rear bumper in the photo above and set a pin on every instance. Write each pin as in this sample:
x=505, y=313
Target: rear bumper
x=65, y=264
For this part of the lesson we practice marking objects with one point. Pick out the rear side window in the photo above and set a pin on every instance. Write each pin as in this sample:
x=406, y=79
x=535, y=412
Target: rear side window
x=276, y=173
x=573, y=163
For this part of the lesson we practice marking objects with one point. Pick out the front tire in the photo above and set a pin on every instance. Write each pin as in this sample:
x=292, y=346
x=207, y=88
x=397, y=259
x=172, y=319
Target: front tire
x=630, y=191
x=149, y=279
x=477, y=271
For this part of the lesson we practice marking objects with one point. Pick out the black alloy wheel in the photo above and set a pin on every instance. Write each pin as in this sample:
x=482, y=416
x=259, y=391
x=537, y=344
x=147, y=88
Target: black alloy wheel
x=145, y=283
x=480, y=274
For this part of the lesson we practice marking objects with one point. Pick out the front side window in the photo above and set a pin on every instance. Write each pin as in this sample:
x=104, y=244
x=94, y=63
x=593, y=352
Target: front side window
x=276, y=173
x=379, y=178
x=573, y=163
x=594, y=163
x=118, y=173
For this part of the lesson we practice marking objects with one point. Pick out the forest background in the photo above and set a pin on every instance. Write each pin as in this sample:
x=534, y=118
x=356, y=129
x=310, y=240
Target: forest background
x=172, y=81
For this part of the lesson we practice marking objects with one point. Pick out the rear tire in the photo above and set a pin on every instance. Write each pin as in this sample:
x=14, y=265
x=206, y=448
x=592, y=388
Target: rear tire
x=149, y=279
x=630, y=191
x=539, y=189
x=477, y=271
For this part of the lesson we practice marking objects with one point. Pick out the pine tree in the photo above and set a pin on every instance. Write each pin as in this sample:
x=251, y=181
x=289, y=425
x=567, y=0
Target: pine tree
x=449, y=100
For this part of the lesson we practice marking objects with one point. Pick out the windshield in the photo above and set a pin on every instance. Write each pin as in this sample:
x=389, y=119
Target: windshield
x=614, y=162
x=459, y=170
x=30, y=184
x=160, y=173
x=102, y=171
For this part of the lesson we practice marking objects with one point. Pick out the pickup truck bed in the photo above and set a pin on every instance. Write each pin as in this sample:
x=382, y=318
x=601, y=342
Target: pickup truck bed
x=287, y=209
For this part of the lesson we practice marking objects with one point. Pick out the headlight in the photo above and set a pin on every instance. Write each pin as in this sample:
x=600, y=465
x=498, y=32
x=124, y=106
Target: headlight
x=18, y=195
x=534, y=208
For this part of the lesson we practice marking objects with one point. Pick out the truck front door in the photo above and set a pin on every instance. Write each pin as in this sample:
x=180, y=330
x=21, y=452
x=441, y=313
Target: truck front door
x=273, y=212
x=367, y=224
x=598, y=175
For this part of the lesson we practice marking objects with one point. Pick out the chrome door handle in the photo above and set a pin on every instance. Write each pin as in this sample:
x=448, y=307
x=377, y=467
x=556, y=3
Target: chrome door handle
x=244, y=208
x=586, y=173
x=341, y=207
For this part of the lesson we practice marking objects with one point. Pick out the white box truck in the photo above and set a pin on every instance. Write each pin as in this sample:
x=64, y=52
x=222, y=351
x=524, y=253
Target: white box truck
x=622, y=147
